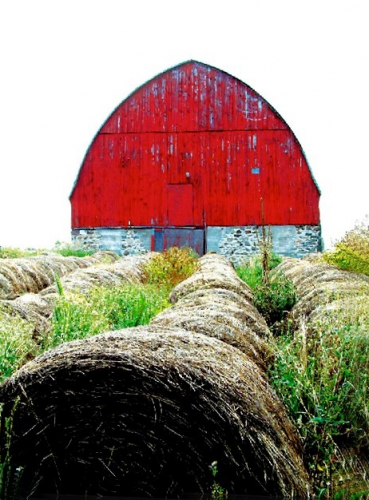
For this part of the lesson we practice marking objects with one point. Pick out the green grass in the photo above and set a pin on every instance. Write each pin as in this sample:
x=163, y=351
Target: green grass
x=71, y=250
x=16, y=253
x=16, y=343
x=66, y=250
x=78, y=316
x=273, y=297
x=321, y=373
x=321, y=370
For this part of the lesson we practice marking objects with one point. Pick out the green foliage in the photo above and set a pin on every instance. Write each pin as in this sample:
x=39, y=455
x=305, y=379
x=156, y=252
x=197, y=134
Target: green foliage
x=71, y=250
x=102, y=309
x=275, y=300
x=352, y=252
x=217, y=492
x=15, y=253
x=16, y=343
x=273, y=296
x=170, y=267
x=349, y=495
x=321, y=374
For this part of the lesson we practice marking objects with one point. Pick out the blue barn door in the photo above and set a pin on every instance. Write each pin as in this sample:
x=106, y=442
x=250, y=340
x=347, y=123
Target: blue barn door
x=180, y=237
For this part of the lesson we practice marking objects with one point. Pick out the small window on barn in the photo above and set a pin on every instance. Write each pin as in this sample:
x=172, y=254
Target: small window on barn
x=255, y=170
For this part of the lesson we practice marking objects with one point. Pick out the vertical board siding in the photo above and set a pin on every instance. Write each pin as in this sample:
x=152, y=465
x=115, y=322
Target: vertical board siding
x=194, y=125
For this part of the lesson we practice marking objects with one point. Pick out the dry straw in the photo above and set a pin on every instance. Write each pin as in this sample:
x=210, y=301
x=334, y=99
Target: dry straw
x=144, y=411
x=215, y=302
x=33, y=274
x=318, y=285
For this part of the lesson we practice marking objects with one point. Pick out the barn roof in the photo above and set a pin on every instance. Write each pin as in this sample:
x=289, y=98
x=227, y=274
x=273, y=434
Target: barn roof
x=115, y=121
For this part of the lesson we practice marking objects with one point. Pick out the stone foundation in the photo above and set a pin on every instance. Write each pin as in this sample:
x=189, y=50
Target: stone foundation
x=121, y=241
x=236, y=243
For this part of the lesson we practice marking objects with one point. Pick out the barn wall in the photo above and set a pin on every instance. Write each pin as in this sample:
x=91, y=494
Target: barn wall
x=236, y=243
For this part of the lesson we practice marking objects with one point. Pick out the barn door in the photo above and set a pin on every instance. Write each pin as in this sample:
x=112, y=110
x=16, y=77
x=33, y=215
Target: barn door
x=180, y=205
x=180, y=221
x=179, y=237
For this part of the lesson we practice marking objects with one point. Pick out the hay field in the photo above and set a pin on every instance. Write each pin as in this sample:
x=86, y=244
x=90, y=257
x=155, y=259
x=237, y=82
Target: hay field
x=146, y=410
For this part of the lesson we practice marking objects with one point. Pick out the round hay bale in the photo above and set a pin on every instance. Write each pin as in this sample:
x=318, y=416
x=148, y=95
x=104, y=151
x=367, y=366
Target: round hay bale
x=34, y=310
x=215, y=271
x=6, y=288
x=138, y=413
x=351, y=310
x=103, y=256
x=218, y=323
x=319, y=284
x=212, y=258
x=228, y=301
x=33, y=274
x=322, y=295
x=18, y=283
x=210, y=279
x=84, y=280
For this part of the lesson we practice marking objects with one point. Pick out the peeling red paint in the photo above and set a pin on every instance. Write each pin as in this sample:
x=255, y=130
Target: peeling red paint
x=200, y=128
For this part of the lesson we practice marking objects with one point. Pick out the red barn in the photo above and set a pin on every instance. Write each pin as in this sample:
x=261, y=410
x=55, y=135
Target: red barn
x=195, y=157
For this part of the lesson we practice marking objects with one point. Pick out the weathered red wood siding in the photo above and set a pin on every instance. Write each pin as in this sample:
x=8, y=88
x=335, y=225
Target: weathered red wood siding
x=194, y=125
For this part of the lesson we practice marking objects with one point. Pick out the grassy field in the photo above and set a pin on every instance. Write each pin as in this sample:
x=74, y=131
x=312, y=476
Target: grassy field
x=320, y=370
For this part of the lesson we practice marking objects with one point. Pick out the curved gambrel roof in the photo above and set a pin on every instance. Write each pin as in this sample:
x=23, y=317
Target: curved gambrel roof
x=201, y=108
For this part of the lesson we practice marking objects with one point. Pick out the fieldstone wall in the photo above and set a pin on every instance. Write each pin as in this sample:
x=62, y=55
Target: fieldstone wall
x=121, y=241
x=236, y=243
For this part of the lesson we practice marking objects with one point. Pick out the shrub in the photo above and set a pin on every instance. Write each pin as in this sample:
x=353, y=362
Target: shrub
x=352, y=252
x=170, y=267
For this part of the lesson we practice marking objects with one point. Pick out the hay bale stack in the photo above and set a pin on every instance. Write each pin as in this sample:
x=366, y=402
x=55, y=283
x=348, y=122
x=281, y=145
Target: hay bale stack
x=32, y=308
x=215, y=302
x=33, y=274
x=145, y=413
x=318, y=285
x=38, y=308
x=215, y=271
x=83, y=280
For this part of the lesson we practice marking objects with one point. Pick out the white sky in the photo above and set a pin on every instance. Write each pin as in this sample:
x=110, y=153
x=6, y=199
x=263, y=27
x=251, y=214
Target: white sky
x=66, y=64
